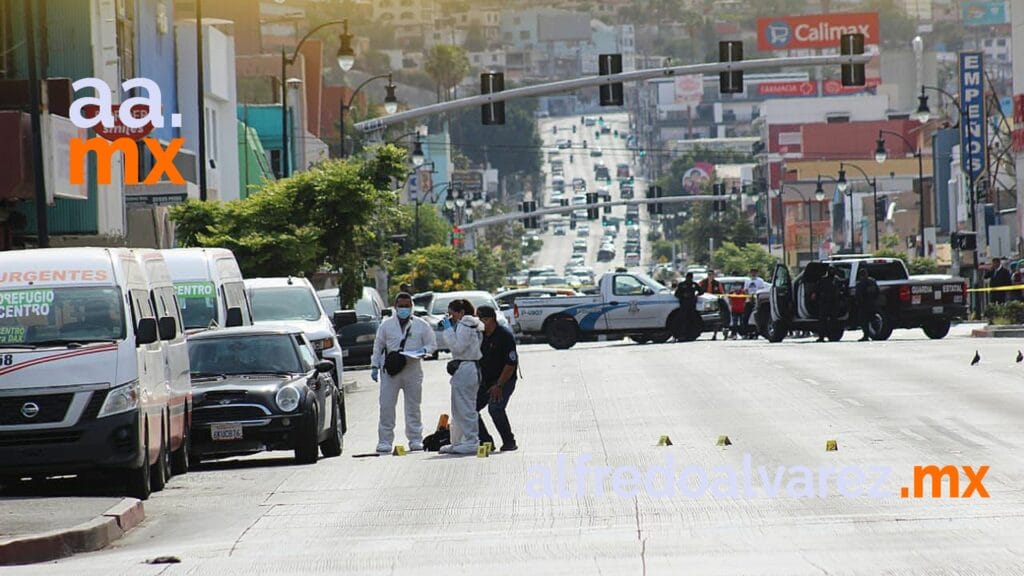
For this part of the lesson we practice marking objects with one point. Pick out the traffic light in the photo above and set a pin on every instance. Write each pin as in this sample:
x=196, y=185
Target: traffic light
x=572, y=221
x=849, y=45
x=573, y=128
x=593, y=213
x=492, y=113
x=718, y=190
x=597, y=135
x=659, y=208
x=880, y=208
x=607, y=207
x=650, y=195
x=730, y=82
x=643, y=152
x=611, y=94
x=457, y=236
x=530, y=222
x=563, y=202
x=964, y=240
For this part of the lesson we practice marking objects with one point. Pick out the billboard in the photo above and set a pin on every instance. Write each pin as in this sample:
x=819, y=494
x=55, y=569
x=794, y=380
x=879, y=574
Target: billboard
x=809, y=88
x=689, y=90
x=972, y=126
x=471, y=181
x=814, y=30
x=983, y=12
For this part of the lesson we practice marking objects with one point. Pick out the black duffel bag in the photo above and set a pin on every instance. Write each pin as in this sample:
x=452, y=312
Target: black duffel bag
x=394, y=362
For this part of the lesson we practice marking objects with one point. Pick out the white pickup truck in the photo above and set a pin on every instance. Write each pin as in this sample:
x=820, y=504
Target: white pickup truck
x=632, y=305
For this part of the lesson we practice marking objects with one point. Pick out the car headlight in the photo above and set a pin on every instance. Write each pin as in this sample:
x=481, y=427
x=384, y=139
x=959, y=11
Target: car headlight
x=325, y=344
x=120, y=400
x=288, y=399
x=365, y=337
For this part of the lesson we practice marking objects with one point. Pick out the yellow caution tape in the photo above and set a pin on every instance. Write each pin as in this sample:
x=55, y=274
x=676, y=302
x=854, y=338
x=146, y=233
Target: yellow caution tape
x=1013, y=288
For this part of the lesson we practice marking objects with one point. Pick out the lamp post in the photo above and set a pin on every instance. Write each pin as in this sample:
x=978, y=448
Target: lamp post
x=819, y=195
x=922, y=115
x=346, y=59
x=819, y=192
x=881, y=156
x=777, y=193
x=390, y=104
x=843, y=184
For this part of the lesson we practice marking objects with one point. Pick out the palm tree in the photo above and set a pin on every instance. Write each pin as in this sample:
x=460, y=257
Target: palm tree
x=447, y=65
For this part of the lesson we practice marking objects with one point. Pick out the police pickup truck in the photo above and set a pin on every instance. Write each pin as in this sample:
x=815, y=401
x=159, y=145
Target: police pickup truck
x=903, y=302
x=631, y=305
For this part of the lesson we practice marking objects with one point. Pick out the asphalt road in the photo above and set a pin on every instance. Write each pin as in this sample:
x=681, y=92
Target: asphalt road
x=558, y=249
x=901, y=403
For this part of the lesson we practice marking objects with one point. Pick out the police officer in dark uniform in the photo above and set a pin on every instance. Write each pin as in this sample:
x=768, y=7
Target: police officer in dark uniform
x=498, y=368
x=828, y=293
x=866, y=295
x=687, y=292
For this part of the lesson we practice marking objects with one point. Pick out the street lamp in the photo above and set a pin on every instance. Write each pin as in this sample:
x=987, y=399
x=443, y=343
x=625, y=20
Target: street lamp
x=390, y=103
x=881, y=156
x=819, y=195
x=843, y=184
x=417, y=153
x=346, y=58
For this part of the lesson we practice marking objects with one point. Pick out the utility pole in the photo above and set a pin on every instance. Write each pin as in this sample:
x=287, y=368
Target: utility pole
x=42, y=224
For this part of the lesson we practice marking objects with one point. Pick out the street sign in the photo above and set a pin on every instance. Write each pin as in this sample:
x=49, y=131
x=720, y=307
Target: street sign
x=972, y=126
x=814, y=30
x=119, y=130
x=472, y=182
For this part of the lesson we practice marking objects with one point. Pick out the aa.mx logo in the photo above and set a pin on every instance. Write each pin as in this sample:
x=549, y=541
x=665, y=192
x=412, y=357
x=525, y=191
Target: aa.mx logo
x=119, y=128
x=951, y=474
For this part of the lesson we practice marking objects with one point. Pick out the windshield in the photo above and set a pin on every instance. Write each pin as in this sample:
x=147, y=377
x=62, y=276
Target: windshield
x=261, y=354
x=883, y=271
x=276, y=304
x=477, y=300
x=39, y=315
x=198, y=303
x=657, y=286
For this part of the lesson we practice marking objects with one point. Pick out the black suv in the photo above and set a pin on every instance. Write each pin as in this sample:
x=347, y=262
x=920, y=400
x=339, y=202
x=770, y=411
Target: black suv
x=262, y=388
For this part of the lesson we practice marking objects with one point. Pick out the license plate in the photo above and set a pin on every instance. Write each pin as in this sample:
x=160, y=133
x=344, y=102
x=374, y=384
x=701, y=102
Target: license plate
x=226, y=431
x=938, y=295
x=344, y=353
x=936, y=309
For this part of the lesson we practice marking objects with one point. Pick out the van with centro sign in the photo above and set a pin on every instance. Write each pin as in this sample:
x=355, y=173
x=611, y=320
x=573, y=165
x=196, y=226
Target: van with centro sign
x=83, y=371
x=209, y=286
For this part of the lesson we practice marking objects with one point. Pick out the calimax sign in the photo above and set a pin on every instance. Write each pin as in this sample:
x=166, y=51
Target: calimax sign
x=814, y=30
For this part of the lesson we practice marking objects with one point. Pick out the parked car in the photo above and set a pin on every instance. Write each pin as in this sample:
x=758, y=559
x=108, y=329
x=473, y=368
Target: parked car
x=356, y=339
x=294, y=301
x=263, y=388
x=435, y=305
x=507, y=301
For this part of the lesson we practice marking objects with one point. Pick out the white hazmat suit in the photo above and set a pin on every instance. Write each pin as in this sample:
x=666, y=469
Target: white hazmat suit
x=409, y=380
x=465, y=339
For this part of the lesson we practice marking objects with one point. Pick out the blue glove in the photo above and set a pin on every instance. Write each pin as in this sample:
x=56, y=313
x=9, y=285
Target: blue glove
x=374, y=373
x=446, y=324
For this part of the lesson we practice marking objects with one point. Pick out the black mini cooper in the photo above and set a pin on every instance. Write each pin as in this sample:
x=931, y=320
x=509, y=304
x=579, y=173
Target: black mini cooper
x=262, y=388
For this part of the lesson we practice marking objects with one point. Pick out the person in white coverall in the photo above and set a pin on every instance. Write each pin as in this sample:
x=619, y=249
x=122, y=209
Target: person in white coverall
x=465, y=333
x=419, y=339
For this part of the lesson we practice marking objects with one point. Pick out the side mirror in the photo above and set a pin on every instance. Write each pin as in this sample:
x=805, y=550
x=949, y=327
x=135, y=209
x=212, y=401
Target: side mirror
x=386, y=313
x=344, y=318
x=234, y=317
x=146, y=332
x=324, y=366
x=168, y=329
x=648, y=291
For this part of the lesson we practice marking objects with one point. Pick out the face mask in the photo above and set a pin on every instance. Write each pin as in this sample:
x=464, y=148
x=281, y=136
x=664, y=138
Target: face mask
x=403, y=313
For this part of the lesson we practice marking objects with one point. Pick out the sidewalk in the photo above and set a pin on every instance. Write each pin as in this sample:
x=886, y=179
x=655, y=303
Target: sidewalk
x=38, y=529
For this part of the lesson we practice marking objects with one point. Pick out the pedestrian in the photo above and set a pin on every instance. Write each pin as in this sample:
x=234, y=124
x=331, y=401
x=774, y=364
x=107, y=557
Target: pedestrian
x=827, y=294
x=464, y=333
x=751, y=287
x=687, y=293
x=866, y=295
x=737, y=308
x=998, y=277
x=1016, y=278
x=498, y=365
x=711, y=286
x=398, y=333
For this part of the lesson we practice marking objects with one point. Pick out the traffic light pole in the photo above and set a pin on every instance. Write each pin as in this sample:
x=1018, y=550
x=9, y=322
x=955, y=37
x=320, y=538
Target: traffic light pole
x=569, y=209
x=597, y=81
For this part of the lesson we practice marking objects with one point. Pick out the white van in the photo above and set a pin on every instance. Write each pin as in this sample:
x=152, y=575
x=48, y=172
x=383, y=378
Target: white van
x=83, y=384
x=178, y=375
x=209, y=287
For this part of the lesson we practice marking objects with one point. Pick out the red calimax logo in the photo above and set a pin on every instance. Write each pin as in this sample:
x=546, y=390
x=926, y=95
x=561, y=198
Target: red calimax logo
x=119, y=128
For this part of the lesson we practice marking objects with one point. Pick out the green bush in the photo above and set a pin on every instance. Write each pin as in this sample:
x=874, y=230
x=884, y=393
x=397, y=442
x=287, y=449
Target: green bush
x=1003, y=314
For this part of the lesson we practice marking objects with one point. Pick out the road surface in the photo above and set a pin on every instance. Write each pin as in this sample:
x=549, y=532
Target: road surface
x=909, y=401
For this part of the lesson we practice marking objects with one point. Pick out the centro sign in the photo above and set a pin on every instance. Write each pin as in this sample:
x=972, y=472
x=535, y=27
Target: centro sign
x=814, y=30
x=119, y=128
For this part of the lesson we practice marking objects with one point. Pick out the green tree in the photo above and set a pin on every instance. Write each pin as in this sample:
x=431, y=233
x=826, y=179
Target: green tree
x=704, y=224
x=438, y=267
x=733, y=260
x=890, y=247
x=923, y=266
x=432, y=229
x=337, y=215
x=447, y=65
x=513, y=148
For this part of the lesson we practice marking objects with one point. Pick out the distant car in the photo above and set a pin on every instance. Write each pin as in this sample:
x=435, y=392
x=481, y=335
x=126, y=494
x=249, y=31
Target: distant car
x=262, y=388
x=356, y=339
x=507, y=300
x=626, y=192
x=436, y=307
x=560, y=229
x=633, y=259
x=596, y=152
x=579, y=183
x=563, y=144
x=589, y=121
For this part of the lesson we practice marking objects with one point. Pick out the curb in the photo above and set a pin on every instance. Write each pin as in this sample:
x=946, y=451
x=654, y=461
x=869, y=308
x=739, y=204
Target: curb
x=90, y=536
x=999, y=332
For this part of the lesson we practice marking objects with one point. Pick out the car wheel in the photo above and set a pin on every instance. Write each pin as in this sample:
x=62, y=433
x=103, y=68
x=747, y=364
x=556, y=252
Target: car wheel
x=881, y=327
x=180, y=458
x=333, y=446
x=775, y=332
x=307, y=446
x=562, y=333
x=137, y=479
x=158, y=476
x=936, y=330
